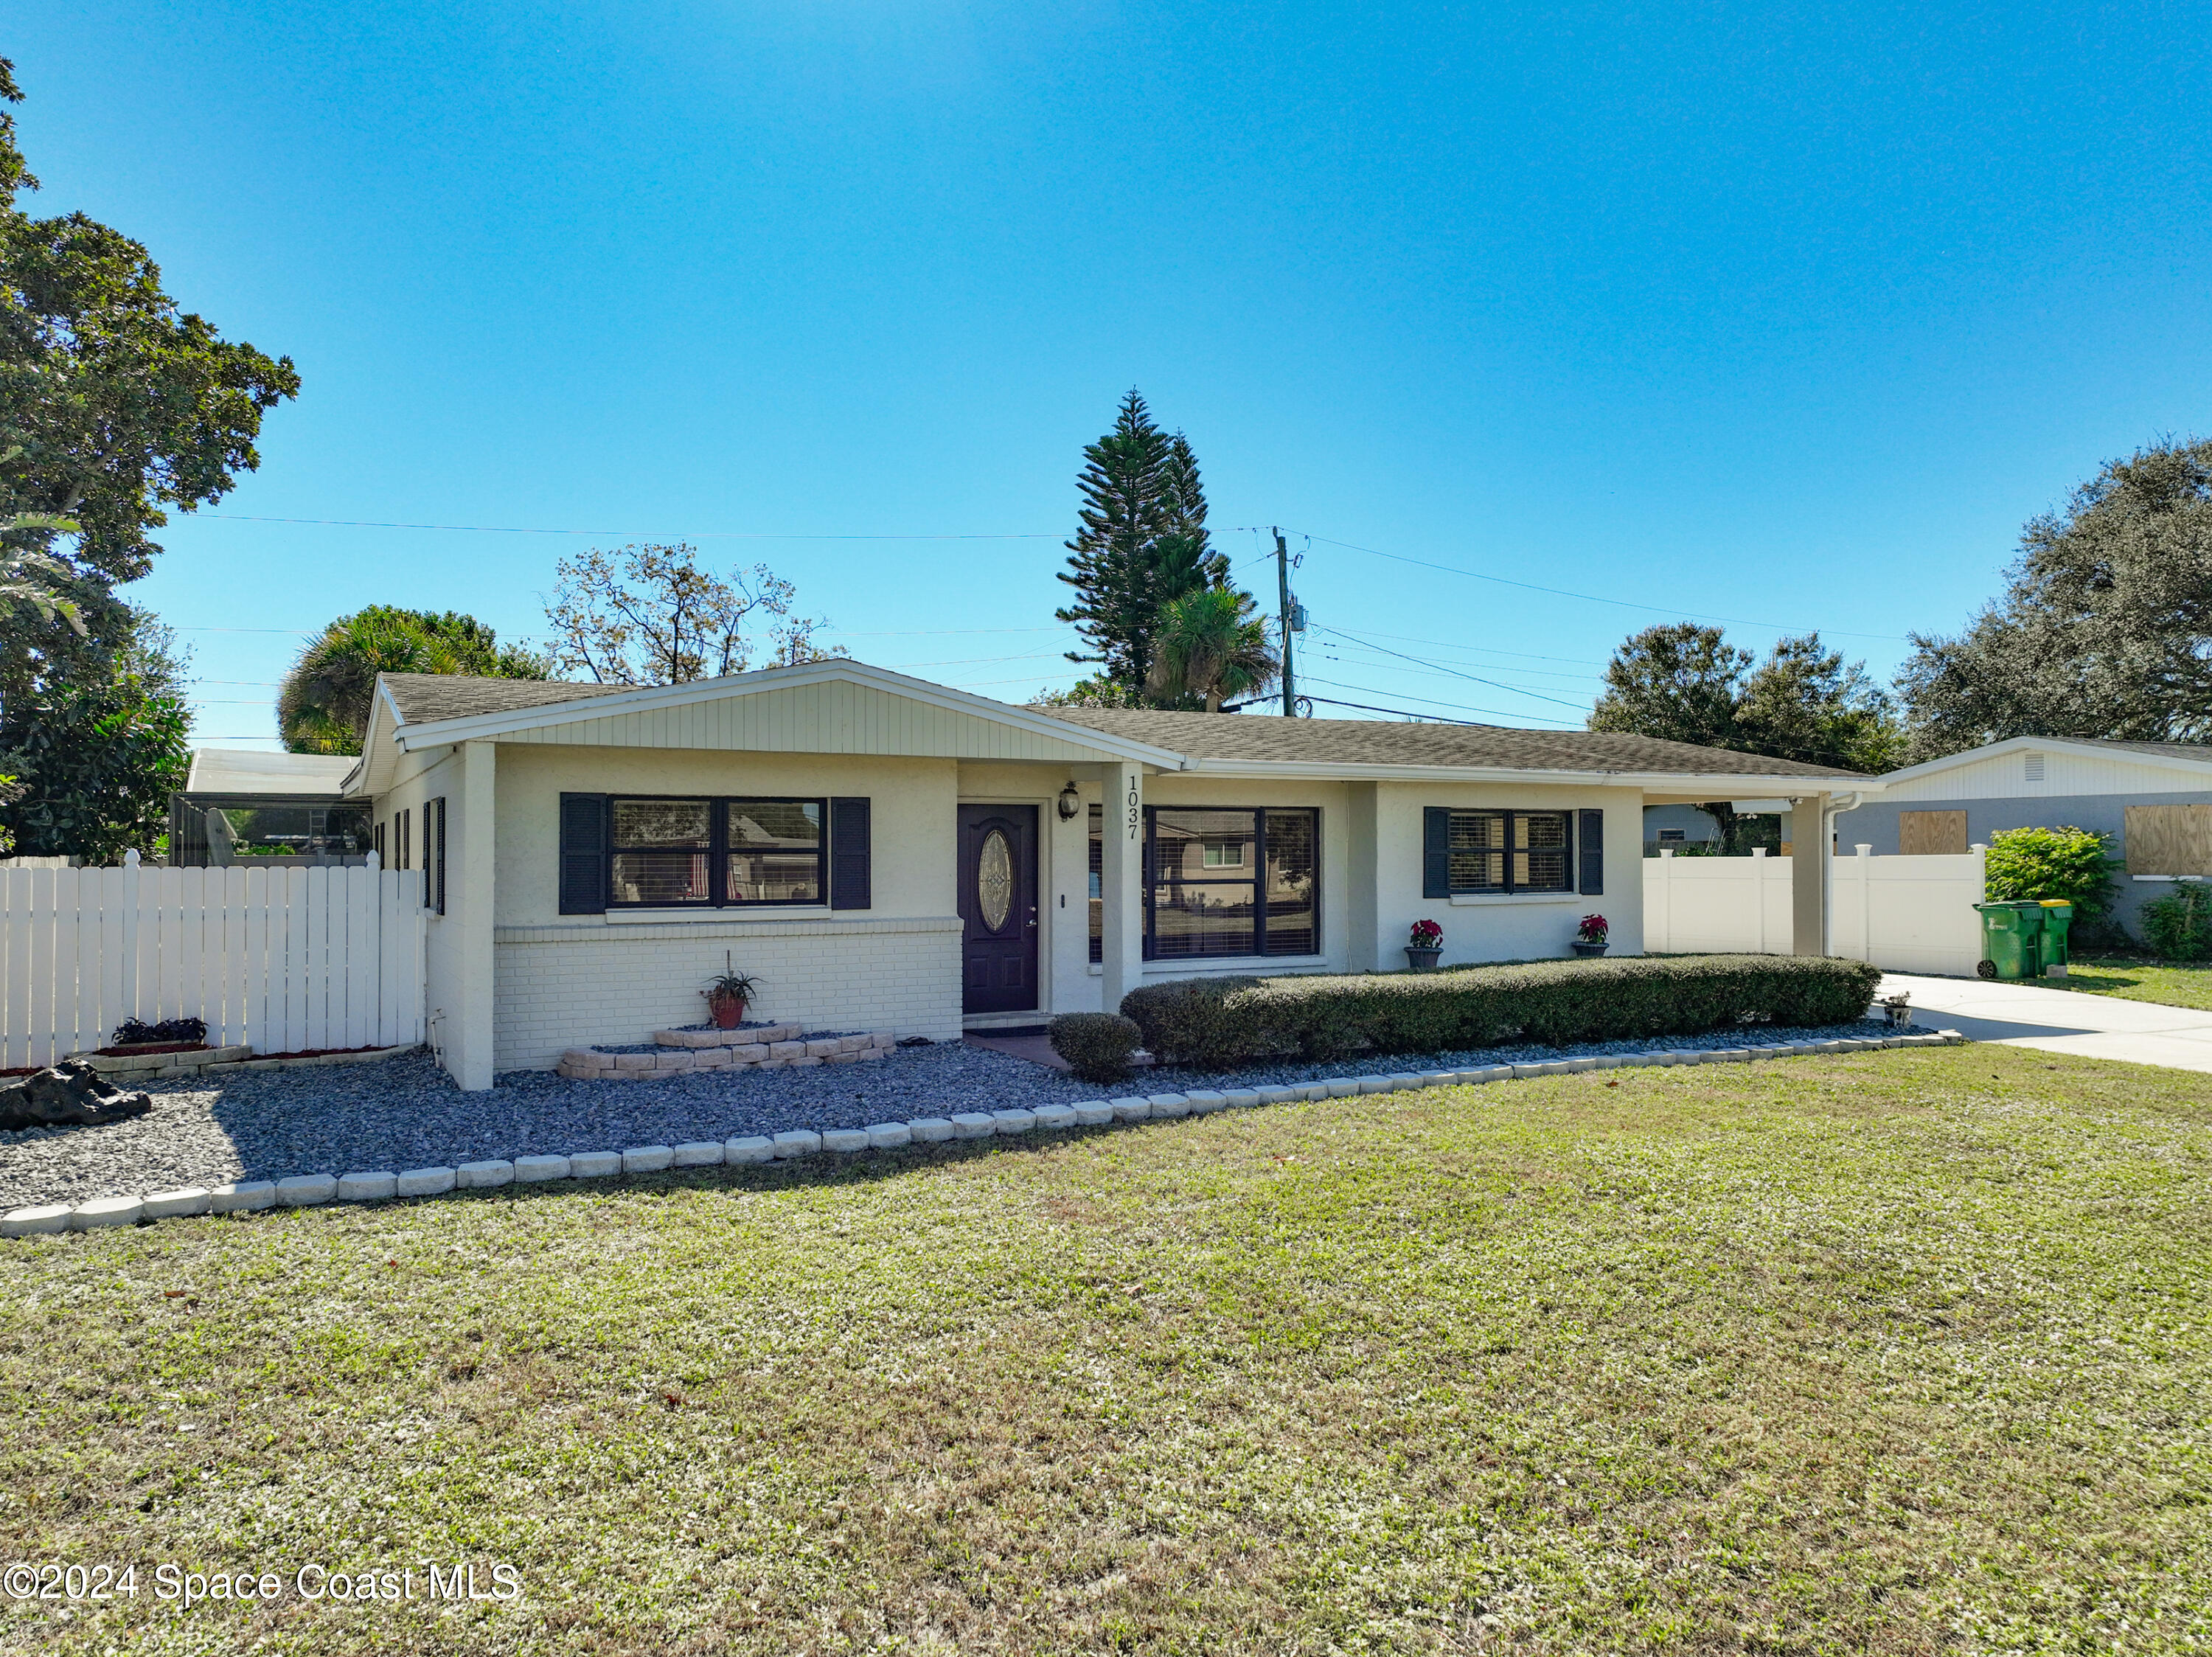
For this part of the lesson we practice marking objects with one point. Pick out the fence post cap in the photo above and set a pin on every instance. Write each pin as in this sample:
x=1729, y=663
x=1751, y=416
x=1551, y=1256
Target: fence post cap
x=130, y=858
x=373, y=863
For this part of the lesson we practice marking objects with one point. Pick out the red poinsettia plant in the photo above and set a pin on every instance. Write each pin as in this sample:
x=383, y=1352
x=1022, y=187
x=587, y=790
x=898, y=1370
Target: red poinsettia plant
x=1593, y=929
x=1426, y=935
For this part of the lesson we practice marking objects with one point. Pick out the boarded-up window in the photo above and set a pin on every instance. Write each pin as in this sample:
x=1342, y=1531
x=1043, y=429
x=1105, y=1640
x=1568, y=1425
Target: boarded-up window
x=2169, y=839
x=1931, y=833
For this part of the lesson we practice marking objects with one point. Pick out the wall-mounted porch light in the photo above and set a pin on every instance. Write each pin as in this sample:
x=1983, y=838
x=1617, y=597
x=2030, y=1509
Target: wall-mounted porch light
x=1070, y=803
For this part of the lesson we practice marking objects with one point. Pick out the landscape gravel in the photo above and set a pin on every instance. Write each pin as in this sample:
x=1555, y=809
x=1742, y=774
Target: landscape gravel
x=405, y=1112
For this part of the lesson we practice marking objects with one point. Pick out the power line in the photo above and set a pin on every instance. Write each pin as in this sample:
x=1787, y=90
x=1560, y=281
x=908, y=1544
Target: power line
x=1482, y=650
x=1368, y=689
x=1494, y=684
x=625, y=534
x=1434, y=719
x=1593, y=598
x=1345, y=642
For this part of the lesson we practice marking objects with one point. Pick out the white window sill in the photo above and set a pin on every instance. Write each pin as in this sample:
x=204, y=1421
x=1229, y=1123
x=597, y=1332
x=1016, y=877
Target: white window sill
x=2165, y=877
x=1486, y=899
x=1223, y=964
x=728, y=912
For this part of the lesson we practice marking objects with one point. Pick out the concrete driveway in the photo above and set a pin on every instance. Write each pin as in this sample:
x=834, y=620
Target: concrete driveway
x=2062, y=1020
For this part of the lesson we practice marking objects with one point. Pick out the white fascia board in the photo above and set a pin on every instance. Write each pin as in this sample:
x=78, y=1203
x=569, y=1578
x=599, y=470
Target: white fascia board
x=1702, y=788
x=2048, y=744
x=652, y=697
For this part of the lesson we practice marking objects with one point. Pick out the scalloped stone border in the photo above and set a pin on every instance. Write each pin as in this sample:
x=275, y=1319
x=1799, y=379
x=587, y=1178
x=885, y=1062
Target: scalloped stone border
x=310, y=1190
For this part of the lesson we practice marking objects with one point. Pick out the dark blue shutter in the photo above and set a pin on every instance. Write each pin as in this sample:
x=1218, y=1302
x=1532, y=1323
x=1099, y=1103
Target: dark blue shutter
x=851, y=855
x=1436, y=852
x=439, y=905
x=1593, y=850
x=583, y=853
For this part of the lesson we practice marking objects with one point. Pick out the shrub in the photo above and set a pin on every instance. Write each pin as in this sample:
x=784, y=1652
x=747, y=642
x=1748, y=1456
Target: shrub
x=1217, y=1022
x=132, y=1032
x=2026, y=865
x=1097, y=1045
x=2178, y=928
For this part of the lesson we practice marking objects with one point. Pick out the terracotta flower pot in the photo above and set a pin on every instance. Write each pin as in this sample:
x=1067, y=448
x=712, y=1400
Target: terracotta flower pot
x=727, y=1011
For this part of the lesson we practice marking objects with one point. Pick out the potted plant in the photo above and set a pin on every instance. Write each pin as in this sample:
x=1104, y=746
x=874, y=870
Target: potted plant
x=1898, y=1009
x=726, y=994
x=1425, y=944
x=1590, y=936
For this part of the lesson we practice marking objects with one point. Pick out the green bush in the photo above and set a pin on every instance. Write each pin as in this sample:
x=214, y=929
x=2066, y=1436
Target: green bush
x=1216, y=1022
x=1098, y=1046
x=2026, y=865
x=2178, y=928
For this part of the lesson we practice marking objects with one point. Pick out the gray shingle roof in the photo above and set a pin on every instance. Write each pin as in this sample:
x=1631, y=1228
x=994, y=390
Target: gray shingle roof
x=1377, y=742
x=425, y=697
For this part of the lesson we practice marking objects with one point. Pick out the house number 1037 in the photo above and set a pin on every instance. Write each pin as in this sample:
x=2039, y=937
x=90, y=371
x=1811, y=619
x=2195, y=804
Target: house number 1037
x=1135, y=811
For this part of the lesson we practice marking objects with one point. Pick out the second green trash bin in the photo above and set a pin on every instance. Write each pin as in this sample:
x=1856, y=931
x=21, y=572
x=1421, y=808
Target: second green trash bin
x=2058, y=918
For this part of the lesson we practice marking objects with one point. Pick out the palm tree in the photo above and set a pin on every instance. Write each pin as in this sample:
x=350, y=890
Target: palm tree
x=324, y=704
x=1211, y=644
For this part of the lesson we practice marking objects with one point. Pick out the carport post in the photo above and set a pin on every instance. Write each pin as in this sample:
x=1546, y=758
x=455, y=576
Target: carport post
x=1120, y=884
x=1808, y=874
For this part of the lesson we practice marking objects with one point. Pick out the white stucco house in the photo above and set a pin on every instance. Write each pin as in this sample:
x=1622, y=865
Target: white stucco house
x=887, y=853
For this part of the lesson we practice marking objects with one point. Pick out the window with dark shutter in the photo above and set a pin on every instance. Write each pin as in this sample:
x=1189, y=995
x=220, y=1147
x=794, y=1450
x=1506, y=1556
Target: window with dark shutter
x=1436, y=852
x=1593, y=853
x=1501, y=851
x=852, y=869
x=438, y=892
x=583, y=853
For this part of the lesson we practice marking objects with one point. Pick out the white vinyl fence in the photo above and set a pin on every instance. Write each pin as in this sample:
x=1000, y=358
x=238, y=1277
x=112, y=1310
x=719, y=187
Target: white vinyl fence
x=1912, y=914
x=286, y=960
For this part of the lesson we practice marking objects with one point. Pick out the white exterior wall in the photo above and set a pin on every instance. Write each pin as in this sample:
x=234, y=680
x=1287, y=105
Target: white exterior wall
x=2065, y=772
x=563, y=981
x=1371, y=873
x=1478, y=927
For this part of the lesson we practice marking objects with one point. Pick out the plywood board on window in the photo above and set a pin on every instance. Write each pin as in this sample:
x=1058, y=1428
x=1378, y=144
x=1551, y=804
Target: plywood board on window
x=2169, y=839
x=1931, y=833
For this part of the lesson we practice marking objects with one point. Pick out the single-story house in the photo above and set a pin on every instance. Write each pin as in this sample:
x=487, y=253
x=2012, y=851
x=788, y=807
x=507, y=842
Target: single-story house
x=2152, y=799
x=886, y=853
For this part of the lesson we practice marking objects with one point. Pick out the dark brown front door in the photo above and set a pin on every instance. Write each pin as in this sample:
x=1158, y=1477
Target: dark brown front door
x=998, y=908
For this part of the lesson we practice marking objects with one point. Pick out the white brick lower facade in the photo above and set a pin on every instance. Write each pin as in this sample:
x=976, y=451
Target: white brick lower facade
x=597, y=983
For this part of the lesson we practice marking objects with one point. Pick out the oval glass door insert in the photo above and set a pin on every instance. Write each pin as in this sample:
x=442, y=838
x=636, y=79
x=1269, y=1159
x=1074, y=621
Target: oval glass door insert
x=994, y=879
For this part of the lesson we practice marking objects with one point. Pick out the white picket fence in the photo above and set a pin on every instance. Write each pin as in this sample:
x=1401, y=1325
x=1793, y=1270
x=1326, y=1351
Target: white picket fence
x=1912, y=914
x=285, y=960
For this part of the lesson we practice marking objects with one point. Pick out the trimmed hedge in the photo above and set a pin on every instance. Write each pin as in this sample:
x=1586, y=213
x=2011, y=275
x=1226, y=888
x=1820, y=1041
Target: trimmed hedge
x=1098, y=1046
x=1216, y=1022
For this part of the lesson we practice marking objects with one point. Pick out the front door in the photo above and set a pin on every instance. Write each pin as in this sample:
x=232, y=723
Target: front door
x=998, y=908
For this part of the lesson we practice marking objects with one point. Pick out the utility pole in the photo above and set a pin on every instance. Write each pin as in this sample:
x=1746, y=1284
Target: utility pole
x=1283, y=581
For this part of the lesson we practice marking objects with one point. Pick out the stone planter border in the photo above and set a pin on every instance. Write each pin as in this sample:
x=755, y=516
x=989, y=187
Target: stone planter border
x=304, y=1190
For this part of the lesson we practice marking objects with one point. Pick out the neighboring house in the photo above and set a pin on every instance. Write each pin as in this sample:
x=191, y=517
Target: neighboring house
x=884, y=852
x=240, y=802
x=2152, y=799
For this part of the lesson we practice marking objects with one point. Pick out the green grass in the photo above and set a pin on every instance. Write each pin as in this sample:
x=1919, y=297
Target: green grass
x=1898, y=1352
x=2140, y=978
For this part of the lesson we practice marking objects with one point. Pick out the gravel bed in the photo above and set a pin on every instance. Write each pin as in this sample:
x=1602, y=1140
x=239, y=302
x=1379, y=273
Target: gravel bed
x=406, y=1113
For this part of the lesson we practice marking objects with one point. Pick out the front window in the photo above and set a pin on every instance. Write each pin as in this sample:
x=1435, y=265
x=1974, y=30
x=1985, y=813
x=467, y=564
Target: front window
x=1510, y=851
x=1231, y=882
x=1221, y=881
x=669, y=853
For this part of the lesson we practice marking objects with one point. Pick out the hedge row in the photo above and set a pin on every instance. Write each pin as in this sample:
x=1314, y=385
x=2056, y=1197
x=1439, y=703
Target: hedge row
x=1216, y=1022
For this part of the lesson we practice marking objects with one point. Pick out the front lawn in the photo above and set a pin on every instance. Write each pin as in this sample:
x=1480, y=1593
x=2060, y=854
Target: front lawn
x=2140, y=978
x=1897, y=1352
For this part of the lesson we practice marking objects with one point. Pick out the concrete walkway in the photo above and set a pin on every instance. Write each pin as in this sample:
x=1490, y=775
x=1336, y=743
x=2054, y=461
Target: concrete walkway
x=2060, y=1021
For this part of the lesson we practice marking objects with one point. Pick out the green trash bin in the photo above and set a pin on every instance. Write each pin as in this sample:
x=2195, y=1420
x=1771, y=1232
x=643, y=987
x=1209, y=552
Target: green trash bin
x=2012, y=939
x=2058, y=918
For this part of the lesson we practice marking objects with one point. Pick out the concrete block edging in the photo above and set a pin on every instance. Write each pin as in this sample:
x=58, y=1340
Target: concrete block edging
x=314, y=1190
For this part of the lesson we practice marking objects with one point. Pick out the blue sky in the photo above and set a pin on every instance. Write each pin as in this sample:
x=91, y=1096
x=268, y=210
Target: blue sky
x=1790, y=315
